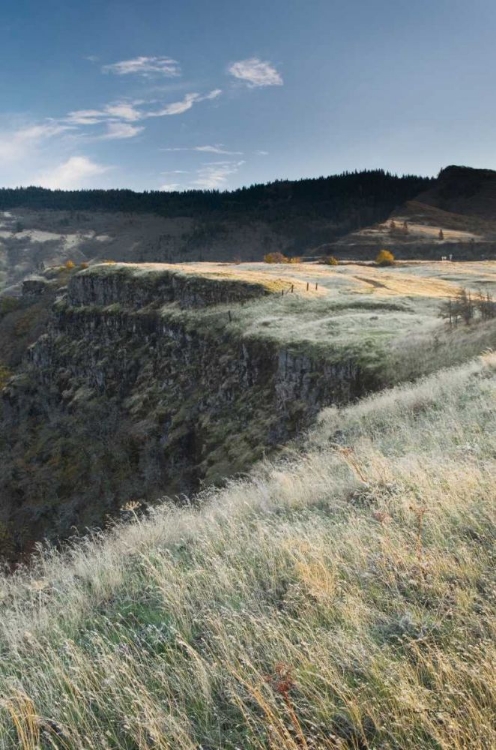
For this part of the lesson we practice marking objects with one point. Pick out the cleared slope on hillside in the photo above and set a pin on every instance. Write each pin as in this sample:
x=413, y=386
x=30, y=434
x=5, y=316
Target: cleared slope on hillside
x=455, y=215
x=344, y=598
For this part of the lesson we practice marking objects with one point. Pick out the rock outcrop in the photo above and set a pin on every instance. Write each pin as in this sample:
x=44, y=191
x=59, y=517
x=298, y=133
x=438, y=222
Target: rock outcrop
x=127, y=398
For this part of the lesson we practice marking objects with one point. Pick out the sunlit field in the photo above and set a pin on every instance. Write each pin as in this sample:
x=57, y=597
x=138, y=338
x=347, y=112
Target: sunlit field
x=386, y=318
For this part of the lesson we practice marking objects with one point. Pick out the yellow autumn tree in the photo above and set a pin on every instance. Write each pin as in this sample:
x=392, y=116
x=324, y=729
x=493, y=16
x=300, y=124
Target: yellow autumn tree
x=384, y=258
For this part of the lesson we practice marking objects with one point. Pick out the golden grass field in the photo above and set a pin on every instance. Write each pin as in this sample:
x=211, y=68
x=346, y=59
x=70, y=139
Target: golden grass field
x=387, y=318
x=343, y=596
x=405, y=278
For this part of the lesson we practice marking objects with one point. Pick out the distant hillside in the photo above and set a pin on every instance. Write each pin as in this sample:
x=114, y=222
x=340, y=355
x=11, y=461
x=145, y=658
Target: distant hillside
x=462, y=190
x=41, y=228
x=352, y=216
x=351, y=199
x=455, y=216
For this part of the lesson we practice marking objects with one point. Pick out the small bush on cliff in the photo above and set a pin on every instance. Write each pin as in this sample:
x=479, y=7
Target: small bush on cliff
x=331, y=261
x=296, y=259
x=69, y=265
x=275, y=258
x=384, y=258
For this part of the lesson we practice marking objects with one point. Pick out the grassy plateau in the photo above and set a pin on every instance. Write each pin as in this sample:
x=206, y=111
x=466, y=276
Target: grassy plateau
x=385, y=318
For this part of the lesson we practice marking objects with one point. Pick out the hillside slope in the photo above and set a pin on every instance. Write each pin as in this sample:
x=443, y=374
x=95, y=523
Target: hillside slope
x=343, y=599
x=455, y=216
x=41, y=228
x=463, y=190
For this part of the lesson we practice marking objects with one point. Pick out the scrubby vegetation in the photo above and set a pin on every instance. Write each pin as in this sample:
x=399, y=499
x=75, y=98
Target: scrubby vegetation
x=344, y=598
x=467, y=306
x=275, y=258
x=384, y=258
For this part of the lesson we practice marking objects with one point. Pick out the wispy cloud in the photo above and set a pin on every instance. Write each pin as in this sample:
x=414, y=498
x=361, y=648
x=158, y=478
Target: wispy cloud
x=261, y=153
x=145, y=66
x=214, y=175
x=217, y=149
x=177, y=108
x=71, y=174
x=124, y=110
x=170, y=187
x=85, y=117
x=255, y=73
x=118, y=116
x=121, y=110
x=120, y=130
x=17, y=144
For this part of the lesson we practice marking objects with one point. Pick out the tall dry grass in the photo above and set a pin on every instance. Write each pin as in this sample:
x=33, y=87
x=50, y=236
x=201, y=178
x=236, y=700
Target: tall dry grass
x=344, y=598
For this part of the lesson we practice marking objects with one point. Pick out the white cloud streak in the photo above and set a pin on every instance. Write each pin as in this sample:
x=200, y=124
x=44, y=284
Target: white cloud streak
x=255, y=73
x=177, y=108
x=147, y=67
x=217, y=149
x=214, y=175
x=129, y=111
x=71, y=174
x=18, y=144
x=120, y=130
x=120, y=110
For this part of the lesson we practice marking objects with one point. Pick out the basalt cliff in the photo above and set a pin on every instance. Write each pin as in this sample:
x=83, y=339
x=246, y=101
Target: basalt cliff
x=132, y=392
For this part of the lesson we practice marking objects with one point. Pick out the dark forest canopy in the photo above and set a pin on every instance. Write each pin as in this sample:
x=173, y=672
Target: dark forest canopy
x=367, y=195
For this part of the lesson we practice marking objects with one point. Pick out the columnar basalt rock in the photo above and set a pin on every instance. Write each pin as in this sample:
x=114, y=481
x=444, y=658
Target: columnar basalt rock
x=121, y=401
x=123, y=286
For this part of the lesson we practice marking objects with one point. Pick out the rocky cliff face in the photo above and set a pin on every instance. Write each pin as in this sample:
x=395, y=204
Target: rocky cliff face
x=123, y=401
x=134, y=291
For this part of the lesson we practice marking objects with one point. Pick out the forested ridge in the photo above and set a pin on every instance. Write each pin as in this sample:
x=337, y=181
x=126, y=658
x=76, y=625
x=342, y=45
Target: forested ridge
x=353, y=199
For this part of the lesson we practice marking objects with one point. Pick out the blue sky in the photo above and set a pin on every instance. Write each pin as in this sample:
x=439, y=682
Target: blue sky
x=162, y=94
